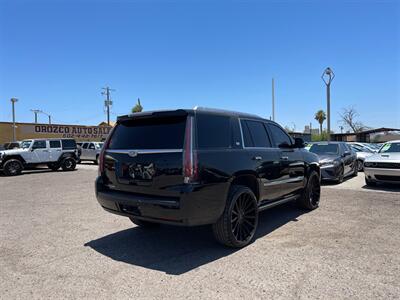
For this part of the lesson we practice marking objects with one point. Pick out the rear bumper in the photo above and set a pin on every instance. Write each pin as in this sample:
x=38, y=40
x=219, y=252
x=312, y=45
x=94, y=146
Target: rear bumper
x=197, y=204
x=382, y=175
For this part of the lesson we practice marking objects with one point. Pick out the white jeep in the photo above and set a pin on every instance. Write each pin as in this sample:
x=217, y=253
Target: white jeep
x=54, y=153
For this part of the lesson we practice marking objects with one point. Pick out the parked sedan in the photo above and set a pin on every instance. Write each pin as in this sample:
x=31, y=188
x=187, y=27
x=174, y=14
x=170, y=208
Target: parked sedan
x=362, y=153
x=336, y=160
x=383, y=166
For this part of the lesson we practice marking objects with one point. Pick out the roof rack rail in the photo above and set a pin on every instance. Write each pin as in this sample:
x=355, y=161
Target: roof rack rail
x=207, y=109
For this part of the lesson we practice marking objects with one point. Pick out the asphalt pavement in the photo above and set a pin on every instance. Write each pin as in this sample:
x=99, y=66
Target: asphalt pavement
x=56, y=242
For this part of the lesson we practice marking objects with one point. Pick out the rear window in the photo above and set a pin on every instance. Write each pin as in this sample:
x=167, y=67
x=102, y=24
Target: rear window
x=213, y=131
x=150, y=133
x=55, y=144
x=68, y=144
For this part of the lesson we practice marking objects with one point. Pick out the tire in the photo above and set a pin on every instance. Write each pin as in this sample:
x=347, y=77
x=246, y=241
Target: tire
x=310, y=196
x=68, y=164
x=355, y=172
x=96, y=162
x=341, y=175
x=53, y=166
x=360, y=165
x=238, y=223
x=13, y=167
x=369, y=183
x=144, y=224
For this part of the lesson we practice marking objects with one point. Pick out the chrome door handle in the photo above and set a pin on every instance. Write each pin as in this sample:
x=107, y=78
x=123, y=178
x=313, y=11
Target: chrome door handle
x=284, y=157
x=257, y=158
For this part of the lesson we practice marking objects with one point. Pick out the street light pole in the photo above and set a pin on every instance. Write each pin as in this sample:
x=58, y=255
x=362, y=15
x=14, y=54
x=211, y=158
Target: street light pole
x=327, y=77
x=13, y=100
x=273, y=99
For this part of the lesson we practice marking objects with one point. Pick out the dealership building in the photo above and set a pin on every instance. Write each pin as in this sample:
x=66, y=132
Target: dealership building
x=25, y=131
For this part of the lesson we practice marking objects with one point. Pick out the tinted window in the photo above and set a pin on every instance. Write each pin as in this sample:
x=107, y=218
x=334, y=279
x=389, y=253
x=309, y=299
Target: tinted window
x=85, y=145
x=91, y=146
x=325, y=148
x=55, y=144
x=68, y=144
x=258, y=134
x=213, y=131
x=247, y=139
x=149, y=133
x=39, y=144
x=279, y=136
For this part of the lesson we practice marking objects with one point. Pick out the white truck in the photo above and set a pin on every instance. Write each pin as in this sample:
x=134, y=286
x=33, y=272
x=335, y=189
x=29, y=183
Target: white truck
x=55, y=153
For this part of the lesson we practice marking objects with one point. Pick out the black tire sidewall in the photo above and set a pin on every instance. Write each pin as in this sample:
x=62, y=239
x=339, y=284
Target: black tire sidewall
x=362, y=165
x=7, y=165
x=305, y=201
x=341, y=175
x=64, y=164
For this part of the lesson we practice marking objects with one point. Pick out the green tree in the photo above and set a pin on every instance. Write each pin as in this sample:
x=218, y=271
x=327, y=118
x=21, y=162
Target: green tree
x=138, y=107
x=320, y=116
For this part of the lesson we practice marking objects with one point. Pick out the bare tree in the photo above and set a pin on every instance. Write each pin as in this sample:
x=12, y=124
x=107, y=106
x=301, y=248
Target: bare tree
x=349, y=117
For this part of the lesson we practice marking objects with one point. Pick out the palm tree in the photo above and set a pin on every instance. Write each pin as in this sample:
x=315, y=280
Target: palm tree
x=138, y=107
x=320, y=116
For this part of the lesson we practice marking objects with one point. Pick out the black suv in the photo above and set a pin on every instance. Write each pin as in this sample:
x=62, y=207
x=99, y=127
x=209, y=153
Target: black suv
x=203, y=166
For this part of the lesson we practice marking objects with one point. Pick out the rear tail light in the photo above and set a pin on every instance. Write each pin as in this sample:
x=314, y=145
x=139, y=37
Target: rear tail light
x=190, y=168
x=103, y=151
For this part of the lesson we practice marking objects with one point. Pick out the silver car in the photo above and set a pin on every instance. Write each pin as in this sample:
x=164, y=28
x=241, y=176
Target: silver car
x=90, y=151
x=383, y=166
x=362, y=153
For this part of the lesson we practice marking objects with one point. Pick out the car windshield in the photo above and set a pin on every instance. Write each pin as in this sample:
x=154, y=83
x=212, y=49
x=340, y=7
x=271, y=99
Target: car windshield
x=324, y=148
x=99, y=145
x=26, y=144
x=390, y=147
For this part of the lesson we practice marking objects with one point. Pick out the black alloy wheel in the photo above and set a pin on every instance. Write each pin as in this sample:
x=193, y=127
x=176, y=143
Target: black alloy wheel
x=237, y=225
x=69, y=164
x=12, y=167
x=312, y=193
x=243, y=218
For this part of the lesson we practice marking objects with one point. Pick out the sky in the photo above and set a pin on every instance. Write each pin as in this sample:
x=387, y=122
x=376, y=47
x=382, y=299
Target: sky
x=57, y=55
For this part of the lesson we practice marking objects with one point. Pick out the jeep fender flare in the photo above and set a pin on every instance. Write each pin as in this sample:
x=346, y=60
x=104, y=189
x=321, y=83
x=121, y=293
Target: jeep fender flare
x=66, y=155
x=14, y=156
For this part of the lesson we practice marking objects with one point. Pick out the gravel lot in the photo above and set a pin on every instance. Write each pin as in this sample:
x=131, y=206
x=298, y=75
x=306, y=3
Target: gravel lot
x=56, y=242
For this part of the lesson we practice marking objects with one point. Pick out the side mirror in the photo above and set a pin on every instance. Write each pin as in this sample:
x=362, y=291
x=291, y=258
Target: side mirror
x=346, y=153
x=299, y=143
x=284, y=145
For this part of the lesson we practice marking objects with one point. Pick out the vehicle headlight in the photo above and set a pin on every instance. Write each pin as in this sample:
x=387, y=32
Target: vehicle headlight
x=329, y=163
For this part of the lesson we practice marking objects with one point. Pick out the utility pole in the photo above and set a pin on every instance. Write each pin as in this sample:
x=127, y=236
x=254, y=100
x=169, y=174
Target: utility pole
x=107, y=102
x=273, y=99
x=13, y=100
x=327, y=77
x=48, y=115
x=36, y=112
